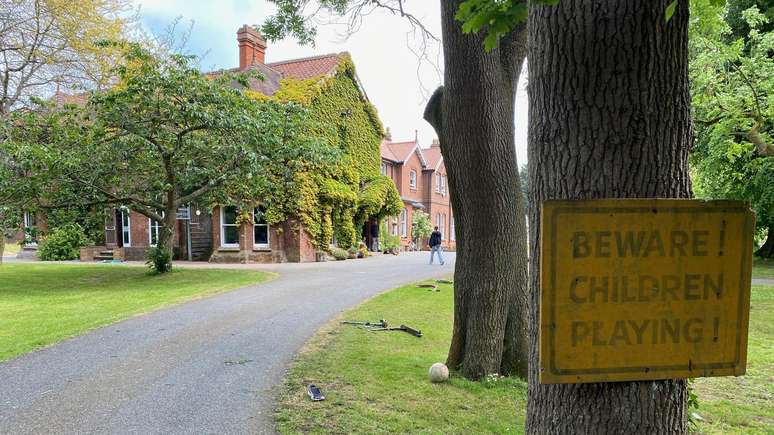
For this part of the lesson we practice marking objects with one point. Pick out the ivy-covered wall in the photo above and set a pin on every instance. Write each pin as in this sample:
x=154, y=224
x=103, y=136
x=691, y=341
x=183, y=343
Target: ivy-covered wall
x=338, y=202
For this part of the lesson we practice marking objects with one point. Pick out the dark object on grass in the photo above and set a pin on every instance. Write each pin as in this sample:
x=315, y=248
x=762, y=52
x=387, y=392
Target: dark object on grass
x=380, y=324
x=444, y=281
x=430, y=286
x=315, y=393
x=404, y=328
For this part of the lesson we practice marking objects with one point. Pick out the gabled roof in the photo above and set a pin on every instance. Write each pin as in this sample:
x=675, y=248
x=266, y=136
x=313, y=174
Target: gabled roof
x=400, y=152
x=387, y=153
x=60, y=98
x=300, y=69
x=434, y=158
x=308, y=67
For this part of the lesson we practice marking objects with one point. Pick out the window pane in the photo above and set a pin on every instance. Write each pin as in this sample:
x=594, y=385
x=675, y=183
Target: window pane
x=261, y=235
x=229, y=215
x=230, y=235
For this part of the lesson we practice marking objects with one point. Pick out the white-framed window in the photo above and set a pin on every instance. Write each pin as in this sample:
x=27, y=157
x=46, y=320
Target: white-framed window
x=153, y=232
x=384, y=168
x=440, y=183
x=260, y=228
x=229, y=230
x=31, y=222
x=440, y=221
x=413, y=179
x=404, y=222
x=126, y=227
x=452, y=237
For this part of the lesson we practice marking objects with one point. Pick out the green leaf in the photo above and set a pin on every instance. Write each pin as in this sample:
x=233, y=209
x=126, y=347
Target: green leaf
x=670, y=10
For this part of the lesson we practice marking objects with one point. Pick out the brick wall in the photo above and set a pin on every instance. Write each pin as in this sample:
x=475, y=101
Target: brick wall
x=287, y=243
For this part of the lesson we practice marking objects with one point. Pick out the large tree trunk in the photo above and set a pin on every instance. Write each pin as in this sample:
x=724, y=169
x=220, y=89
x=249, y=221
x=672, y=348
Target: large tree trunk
x=767, y=249
x=473, y=116
x=609, y=118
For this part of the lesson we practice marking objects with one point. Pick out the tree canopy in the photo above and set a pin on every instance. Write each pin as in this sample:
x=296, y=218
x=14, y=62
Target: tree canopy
x=50, y=43
x=733, y=103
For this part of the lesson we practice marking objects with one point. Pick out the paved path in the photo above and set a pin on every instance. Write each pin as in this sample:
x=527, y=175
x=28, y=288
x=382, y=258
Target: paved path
x=203, y=367
x=762, y=281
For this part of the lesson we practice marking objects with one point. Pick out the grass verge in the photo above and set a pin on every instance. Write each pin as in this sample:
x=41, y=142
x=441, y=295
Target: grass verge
x=763, y=268
x=376, y=382
x=41, y=304
x=744, y=404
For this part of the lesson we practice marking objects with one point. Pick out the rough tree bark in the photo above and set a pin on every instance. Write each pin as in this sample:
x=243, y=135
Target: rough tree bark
x=609, y=118
x=473, y=116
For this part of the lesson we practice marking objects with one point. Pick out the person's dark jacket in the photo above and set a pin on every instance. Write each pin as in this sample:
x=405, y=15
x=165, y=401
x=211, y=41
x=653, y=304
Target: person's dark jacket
x=435, y=238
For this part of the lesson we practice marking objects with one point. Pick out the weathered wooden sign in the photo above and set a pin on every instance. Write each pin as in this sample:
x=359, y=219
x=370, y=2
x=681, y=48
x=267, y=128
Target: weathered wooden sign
x=644, y=289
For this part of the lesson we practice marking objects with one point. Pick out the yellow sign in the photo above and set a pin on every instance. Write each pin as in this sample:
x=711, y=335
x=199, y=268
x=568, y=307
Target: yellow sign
x=644, y=289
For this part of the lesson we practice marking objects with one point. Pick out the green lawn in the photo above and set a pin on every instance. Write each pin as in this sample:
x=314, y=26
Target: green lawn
x=745, y=404
x=763, y=268
x=376, y=382
x=41, y=304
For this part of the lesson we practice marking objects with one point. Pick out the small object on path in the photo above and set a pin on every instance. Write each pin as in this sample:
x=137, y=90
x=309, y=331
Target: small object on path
x=315, y=393
x=432, y=287
x=380, y=324
x=404, y=328
x=438, y=373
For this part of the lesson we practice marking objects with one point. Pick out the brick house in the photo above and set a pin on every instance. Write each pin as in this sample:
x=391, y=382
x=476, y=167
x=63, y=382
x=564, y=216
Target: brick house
x=420, y=176
x=217, y=235
x=35, y=221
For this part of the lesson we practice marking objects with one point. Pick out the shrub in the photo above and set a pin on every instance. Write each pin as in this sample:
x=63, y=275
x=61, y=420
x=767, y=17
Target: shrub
x=339, y=254
x=391, y=244
x=362, y=250
x=159, y=259
x=63, y=243
x=352, y=252
x=420, y=226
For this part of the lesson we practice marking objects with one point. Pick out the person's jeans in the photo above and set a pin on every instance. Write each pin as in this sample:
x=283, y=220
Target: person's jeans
x=433, y=250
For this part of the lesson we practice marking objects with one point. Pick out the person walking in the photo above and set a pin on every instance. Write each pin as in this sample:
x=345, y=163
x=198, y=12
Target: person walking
x=374, y=237
x=435, y=245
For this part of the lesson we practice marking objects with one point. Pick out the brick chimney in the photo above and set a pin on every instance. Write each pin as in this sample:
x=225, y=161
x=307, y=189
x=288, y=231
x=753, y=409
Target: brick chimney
x=252, y=47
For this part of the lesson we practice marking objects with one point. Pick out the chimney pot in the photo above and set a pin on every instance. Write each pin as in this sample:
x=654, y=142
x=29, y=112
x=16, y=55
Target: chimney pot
x=252, y=47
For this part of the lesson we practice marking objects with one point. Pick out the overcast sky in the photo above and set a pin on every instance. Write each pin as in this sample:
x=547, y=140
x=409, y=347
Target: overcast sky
x=396, y=82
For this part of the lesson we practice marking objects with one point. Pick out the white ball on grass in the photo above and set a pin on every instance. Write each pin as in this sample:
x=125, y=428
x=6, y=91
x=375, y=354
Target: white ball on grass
x=439, y=373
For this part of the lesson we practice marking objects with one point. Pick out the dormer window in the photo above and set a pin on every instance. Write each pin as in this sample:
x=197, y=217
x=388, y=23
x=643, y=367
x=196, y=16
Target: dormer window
x=413, y=179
